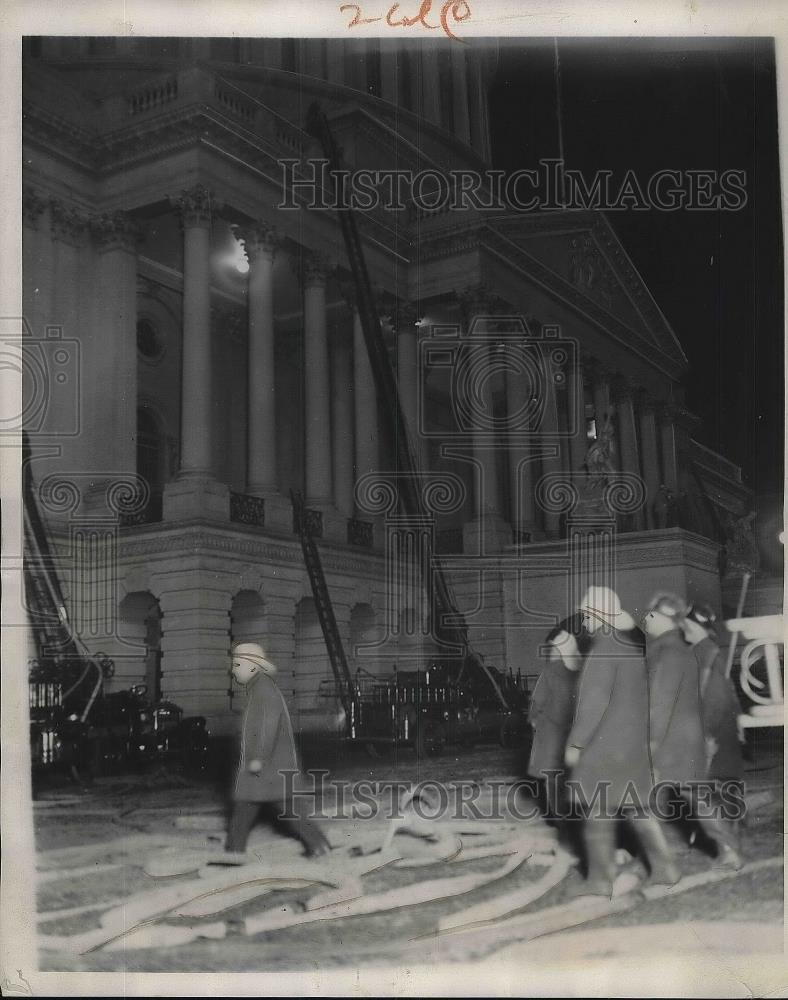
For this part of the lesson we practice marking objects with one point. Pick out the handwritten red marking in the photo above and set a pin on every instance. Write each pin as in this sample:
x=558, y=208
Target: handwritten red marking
x=455, y=11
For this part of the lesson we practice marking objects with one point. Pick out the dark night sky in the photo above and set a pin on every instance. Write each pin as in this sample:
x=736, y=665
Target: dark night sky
x=678, y=104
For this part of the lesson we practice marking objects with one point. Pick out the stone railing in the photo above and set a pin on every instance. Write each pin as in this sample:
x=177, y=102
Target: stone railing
x=313, y=522
x=151, y=513
x=153, y=95
x=359, y=533
x=246, y=509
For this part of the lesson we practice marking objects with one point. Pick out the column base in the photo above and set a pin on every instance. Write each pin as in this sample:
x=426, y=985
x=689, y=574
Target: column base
x=334, y=525
x=486, y=535
x=193, y=497
x=527, y=532
x=278, y=513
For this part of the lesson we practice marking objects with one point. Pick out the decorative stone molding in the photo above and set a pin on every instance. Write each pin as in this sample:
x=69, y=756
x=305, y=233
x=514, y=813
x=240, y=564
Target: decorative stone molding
x=259, y=239
x=360, y=533
x=311, y=268
x=247, y=509
x=196, y=204
x=68, y=224
x=33, y=205
x=589, y=270
x=480, y=300
x=115, y=231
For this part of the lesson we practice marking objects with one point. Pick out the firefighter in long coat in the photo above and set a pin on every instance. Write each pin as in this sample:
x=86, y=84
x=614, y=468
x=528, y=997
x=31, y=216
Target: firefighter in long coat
x=552, y=710
x=608, y=748
x=268, y=756
x=678, y=746
x=720, y=705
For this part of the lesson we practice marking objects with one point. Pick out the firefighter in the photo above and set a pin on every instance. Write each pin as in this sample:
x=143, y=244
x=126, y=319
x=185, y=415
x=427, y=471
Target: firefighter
x=607, y=749
x=268, y=753
x=551, y=712
x=678, y=747
x=720, y=706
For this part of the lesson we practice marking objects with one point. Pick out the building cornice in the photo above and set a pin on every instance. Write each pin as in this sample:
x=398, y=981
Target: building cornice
x=197, y=540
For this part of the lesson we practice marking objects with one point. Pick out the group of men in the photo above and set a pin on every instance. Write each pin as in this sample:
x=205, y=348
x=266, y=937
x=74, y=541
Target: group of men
x=634, y=726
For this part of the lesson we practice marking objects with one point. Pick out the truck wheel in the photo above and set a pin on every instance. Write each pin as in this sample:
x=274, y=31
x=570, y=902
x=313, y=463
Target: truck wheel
x=510, y=735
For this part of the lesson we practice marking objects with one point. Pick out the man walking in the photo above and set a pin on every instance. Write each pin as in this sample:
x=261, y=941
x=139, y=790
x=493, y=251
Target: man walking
x=267, y=753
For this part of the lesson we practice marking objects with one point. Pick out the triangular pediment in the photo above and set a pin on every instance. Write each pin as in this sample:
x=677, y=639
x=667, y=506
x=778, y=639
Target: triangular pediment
x=579, y=254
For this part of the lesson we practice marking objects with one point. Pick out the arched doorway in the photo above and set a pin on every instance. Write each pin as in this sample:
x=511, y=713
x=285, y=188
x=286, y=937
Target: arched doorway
x=246, y=625
x=139, y=623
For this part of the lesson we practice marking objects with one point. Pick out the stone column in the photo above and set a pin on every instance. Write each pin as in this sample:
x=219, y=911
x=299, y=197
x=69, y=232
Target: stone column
x=335, y=58
x=649, y=454
x=317, y=422
x=601, y=377
x=37, y=275
x=667, y=434
x=113, y=359
x=366, y=405
x=430, y=82
x=389, y=83
x=488, y=532
x=342, y=421
x=576, y=405
x=406, y=316
x=72, y=315
x=522, y=462
x=552, y=461
x=459, y=77
x=195, y=492
x=628, y=439
x=195, y=642
x=261, y=471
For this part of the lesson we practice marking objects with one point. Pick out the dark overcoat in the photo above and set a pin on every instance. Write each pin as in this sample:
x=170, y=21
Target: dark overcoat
x=720, y=708
x=678, y=749
x=611, y=721
x=551, y=712
x=267, y=736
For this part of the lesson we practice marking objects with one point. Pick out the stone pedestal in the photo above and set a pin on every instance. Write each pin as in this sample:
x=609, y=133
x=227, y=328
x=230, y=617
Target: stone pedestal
x=193, y=497
x=642, y=564
x=278, y=514
x=486, y=535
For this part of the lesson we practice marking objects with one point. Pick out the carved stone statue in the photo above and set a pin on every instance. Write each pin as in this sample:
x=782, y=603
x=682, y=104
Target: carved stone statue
x=665, y=508
x=741, y=548
x=599, y=457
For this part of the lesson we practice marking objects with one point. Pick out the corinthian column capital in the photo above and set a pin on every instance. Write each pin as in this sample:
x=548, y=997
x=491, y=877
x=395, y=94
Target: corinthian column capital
x=260, y=239
x=33, y=204
x=311, y=268
x=68, y=224
x=196, y=204
x=115, y=231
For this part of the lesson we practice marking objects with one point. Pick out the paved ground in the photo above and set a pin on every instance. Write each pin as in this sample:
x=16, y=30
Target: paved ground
x=154, y=805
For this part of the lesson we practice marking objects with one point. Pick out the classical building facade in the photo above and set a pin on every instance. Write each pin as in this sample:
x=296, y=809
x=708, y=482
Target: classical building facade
x=201, y=355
